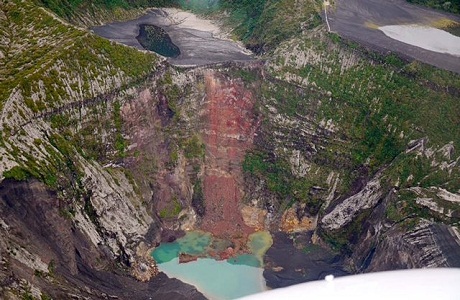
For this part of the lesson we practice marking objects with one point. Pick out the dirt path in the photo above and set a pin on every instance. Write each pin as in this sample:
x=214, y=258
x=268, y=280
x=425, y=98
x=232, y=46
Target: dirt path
x=359, y=20
x=228, y=134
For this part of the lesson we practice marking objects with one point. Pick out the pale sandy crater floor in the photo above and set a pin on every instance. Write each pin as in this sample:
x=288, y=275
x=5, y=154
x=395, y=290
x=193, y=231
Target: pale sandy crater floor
x=425, y=37
x=200, y=41
x=371, y=22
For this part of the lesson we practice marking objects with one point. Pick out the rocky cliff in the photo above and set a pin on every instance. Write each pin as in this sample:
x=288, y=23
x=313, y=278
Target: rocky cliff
x=74, y=221
x=106, y=151
x=45, y=253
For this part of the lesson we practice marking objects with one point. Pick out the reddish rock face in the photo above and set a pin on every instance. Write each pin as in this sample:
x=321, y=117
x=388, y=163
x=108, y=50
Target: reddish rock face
x=228, y=127
x=229, y=133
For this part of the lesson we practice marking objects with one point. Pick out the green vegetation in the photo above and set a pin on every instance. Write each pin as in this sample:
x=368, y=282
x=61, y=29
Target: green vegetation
x=54, y=67
x=452, y=6
x=344, y=108
x=289, y=99
x=120, y=143
x=52, y=267
x=45, y=297
x=193, y=148
x=247, y=76
x=376, y=102
x=17, y=173
x=377, y=108
x=173, y=157
x=415, y=170
x=71, y=9
x=172, y=210
x=275, y=171
x=279, y=179
x=263, y=24
x=59, y=171
x=90, y=211
x=44, y=58
x=27, y=296
x=198, y=198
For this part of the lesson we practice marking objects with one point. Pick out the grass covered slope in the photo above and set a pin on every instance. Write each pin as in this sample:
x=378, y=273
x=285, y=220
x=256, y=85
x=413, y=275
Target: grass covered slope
x=452, y=6
x=262, y=24
x=49, y=63
x=377, y=107
x=61, y=126
x=61, y=129
x=49, y=67
x=343, y=120
x=95, y=12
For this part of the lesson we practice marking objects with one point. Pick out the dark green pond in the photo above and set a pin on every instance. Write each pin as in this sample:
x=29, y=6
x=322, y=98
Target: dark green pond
x=156, y=39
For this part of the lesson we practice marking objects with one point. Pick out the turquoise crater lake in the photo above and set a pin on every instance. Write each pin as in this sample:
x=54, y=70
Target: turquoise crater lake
x=236, y=277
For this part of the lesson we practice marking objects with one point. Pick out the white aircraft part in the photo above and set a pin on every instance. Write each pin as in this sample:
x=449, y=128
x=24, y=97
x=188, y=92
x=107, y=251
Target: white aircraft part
x=433, y=284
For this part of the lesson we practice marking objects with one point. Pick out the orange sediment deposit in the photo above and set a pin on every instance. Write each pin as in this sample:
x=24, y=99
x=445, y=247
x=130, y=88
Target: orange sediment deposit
x=254, y=216
x=229, y=133
x=291, y=223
